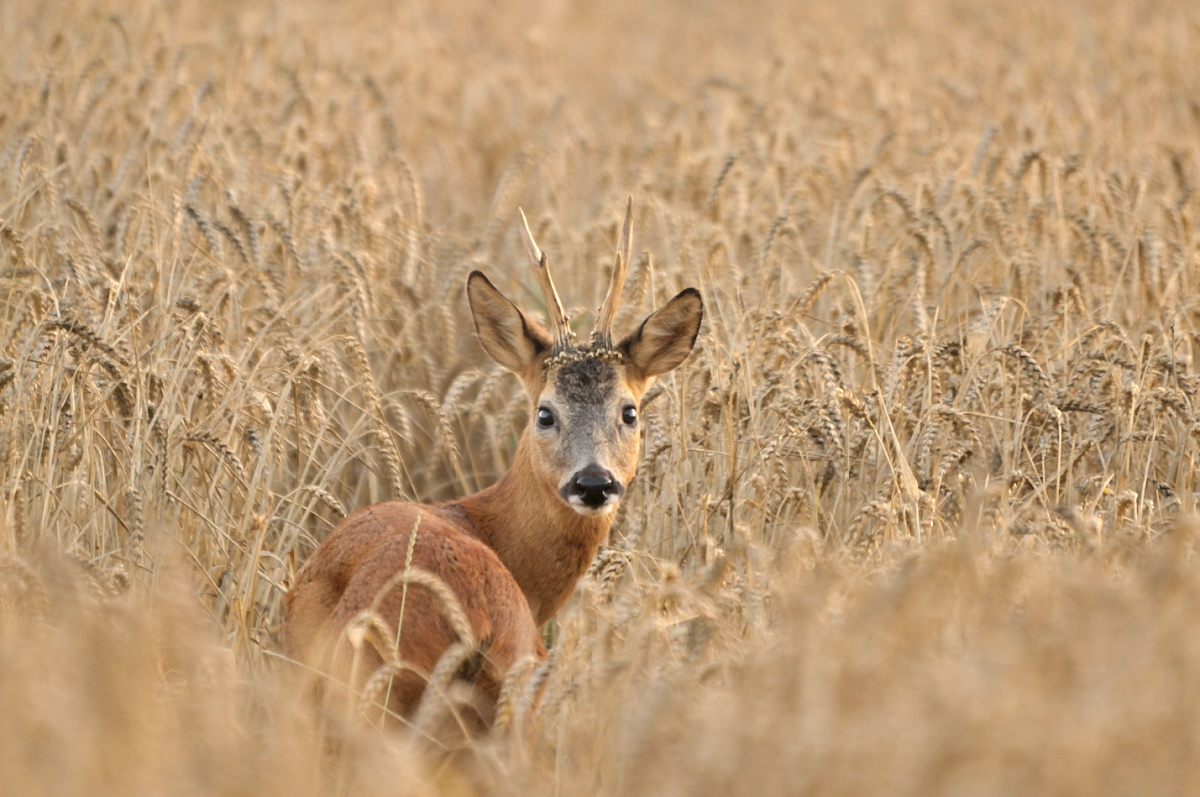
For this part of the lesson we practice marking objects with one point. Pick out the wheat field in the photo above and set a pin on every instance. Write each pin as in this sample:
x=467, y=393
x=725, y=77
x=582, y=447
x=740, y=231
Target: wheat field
x=917, y=516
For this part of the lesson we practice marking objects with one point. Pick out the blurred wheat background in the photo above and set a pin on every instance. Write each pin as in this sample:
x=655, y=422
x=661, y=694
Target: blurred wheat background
x=914, y=519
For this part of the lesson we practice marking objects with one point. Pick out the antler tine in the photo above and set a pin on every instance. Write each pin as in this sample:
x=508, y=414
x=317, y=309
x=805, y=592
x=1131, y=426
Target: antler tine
x=559, y=322
x=602, y=334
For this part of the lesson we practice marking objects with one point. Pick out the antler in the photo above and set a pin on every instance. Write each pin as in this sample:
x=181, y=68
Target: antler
x=602, y=334
x=559, y=322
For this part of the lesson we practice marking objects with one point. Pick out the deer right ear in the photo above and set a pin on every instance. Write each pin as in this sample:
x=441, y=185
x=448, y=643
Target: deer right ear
x=511, y=338
x=665, y=339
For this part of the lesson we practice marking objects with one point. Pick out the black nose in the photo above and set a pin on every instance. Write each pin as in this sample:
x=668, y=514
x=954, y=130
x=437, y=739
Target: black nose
x=593, y=485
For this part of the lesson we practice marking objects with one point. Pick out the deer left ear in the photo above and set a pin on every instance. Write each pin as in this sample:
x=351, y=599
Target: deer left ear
x=665, y=339
x=508, y=336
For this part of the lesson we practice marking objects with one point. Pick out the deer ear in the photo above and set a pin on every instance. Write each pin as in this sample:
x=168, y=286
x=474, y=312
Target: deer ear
x=511, y=338
x=665, y=339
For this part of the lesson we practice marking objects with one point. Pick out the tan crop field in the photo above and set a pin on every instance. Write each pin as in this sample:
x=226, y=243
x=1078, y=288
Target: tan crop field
x=915, y=518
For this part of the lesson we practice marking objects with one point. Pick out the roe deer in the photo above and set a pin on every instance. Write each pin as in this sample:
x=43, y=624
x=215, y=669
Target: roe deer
x=512, y=553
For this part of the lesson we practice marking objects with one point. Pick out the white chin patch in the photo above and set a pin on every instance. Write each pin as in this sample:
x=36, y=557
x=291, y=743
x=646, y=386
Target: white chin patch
x=587, y=511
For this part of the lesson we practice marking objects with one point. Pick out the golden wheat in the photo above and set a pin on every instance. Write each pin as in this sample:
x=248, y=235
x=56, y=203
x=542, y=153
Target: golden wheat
x=914, y=518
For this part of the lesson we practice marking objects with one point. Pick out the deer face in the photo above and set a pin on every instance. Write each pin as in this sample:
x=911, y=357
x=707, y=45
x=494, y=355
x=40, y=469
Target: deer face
x=584, y=431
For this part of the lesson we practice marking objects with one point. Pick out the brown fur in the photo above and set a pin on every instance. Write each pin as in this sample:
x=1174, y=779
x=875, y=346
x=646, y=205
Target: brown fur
x=344, y=576
x=511, y=553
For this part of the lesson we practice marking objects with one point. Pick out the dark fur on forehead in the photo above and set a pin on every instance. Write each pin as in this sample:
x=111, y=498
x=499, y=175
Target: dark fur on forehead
x=587, y=380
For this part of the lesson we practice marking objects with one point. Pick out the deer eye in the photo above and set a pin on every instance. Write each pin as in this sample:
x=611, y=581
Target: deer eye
x=545, y=418
x=629, y=415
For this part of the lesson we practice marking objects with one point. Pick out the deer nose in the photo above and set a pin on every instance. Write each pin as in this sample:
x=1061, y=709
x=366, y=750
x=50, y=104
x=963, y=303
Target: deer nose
x=592, y=486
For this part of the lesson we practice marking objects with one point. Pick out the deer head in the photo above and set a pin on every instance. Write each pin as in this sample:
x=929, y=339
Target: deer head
x=583, y=439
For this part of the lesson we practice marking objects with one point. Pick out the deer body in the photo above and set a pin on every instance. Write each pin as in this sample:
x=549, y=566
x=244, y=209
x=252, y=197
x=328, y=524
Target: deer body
x=512, y=553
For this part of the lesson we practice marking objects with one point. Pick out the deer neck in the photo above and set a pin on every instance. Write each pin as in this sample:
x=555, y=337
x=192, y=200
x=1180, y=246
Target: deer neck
x=544, y=543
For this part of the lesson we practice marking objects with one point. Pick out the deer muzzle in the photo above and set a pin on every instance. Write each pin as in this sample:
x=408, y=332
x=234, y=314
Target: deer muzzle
x=592, y=489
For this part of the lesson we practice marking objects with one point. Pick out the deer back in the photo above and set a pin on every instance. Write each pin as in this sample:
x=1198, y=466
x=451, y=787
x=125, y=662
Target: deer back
x=356, y=570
